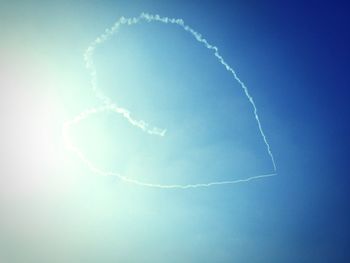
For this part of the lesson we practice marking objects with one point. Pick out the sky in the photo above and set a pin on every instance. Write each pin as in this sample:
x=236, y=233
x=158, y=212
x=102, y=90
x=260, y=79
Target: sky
x=292, y=56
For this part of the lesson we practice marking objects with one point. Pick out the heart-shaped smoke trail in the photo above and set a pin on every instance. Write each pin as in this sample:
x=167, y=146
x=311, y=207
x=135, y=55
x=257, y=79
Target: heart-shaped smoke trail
x=108, y=105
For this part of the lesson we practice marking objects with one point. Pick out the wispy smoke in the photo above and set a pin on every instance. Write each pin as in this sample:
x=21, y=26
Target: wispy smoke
x=108, y=105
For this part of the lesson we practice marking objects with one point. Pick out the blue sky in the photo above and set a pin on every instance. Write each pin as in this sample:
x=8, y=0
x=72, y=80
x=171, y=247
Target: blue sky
x=292, y=56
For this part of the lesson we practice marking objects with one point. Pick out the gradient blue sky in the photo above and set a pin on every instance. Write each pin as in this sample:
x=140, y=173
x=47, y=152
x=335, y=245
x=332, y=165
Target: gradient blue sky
x=294, y=58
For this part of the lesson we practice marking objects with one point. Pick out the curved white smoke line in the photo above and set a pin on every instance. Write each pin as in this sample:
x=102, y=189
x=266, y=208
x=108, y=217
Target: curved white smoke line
x=108, y=105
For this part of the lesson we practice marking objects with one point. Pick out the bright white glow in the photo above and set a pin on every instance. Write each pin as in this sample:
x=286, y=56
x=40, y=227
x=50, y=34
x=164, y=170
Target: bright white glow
x=108, y=105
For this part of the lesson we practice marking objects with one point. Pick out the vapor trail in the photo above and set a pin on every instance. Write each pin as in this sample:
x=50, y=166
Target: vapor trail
x=108, y=105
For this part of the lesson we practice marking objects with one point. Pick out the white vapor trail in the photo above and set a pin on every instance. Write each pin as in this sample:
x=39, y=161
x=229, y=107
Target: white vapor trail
x=108, y=105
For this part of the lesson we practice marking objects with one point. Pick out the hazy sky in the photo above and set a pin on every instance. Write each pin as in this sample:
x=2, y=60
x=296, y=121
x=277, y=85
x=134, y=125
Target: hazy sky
x=292, y=56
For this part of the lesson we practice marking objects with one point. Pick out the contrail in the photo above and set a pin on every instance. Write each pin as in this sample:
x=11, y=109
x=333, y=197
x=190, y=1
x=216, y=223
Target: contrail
x=108, y=105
